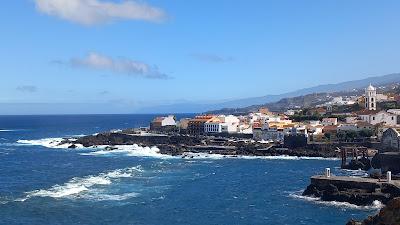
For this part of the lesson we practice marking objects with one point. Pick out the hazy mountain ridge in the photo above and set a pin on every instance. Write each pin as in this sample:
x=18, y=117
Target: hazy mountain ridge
x=347, y=86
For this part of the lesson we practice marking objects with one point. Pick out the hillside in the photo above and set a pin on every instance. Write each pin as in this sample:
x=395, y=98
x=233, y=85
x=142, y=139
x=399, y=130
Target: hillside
x=309, y=100
x=348, y=86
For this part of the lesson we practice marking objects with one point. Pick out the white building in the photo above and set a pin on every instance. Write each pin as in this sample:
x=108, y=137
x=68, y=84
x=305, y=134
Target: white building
x=329, y=121
x=374, y=117
x=370, y=98
x=162, y=122
x=222, y=124
x=358, y=126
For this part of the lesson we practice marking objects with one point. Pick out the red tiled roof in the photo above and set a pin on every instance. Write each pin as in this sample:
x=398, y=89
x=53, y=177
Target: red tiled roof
x=367, y=112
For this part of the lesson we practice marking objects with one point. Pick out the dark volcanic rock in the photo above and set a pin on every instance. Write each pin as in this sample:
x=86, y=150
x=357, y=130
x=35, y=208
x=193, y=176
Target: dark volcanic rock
x=357, y=194
x=176, y=144
x=389, y=215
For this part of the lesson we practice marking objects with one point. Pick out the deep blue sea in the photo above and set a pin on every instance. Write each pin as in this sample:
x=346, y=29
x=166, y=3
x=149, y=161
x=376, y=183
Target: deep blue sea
x=133, y=185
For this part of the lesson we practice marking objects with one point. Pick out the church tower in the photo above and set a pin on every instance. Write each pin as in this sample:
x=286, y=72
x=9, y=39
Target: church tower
x=370, y=98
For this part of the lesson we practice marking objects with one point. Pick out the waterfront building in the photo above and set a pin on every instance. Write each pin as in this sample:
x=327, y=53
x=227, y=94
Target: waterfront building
x=196, y=125
x=160, y=123
x=222, y=124
x=184, y=123
x=213, y=125
x=273, y=130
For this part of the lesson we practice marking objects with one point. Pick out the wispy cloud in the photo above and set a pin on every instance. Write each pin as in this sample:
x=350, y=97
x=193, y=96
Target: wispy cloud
x=211, y=58
x=92, y=12
x=27, y=88
x=124, y=66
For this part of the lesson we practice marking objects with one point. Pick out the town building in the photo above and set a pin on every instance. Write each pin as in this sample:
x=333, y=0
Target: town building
x=222, y=124
x=376, y=117
x=329, y=121
x=183, y=123
x=196, y=125
x=357, y=126
x=161, y=123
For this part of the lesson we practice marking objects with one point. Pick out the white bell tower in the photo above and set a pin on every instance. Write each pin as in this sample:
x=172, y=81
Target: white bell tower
x=370, y=98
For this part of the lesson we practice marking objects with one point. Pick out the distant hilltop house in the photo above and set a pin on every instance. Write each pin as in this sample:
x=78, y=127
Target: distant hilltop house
x=329, y=121
x=163, y=123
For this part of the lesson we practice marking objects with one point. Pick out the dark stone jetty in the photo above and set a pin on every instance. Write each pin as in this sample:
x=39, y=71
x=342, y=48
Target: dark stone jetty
x=355, y=190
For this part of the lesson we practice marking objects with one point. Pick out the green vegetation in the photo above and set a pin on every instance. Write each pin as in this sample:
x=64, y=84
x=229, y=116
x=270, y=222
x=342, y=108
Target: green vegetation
x=388, y=105
x=352, y=135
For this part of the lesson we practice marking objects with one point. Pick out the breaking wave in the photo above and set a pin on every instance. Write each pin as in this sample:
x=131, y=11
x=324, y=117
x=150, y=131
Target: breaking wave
x=376, y=205
x=129, y=150
x=139, y=151
x=85, y=187
x=49, y=142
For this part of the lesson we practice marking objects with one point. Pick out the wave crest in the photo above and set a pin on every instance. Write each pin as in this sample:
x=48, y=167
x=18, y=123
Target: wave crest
x=80, y=185
x=376, y=205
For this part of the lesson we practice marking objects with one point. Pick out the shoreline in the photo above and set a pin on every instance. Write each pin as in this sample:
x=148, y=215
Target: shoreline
x=180, y=145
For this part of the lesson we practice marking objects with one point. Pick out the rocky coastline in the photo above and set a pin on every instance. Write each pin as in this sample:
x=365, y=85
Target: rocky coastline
x=354, y=191
x=389, y=215
x=177, y=144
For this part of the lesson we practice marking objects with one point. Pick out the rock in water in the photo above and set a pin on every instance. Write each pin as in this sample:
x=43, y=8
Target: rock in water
x=389, y=215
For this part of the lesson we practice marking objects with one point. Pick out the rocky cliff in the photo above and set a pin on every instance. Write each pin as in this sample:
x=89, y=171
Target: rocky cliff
x=389, y=215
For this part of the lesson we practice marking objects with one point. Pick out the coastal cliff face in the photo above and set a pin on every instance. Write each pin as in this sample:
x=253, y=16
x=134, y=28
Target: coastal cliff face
x=389, y=215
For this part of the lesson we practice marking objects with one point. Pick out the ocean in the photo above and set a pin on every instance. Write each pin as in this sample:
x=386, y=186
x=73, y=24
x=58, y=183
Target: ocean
x=42, y=184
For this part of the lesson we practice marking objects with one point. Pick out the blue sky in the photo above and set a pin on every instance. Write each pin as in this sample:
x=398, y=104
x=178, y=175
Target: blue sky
x=131, y=54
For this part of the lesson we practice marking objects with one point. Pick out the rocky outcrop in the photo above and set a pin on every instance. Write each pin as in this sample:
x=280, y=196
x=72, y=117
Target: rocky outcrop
x=177, y=144
x=354, y=192
x=389, y=215
x=387, y=161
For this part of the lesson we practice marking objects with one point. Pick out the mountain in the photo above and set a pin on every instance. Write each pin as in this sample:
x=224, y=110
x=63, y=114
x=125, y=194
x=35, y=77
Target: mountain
x=192, y=107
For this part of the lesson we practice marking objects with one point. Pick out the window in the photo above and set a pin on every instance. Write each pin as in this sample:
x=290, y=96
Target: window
x=372, y=100
x=373, y=118
x=372, y=104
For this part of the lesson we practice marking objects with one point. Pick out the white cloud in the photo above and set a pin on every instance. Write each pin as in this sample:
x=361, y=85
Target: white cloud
x=91, y=12
x=121, y=65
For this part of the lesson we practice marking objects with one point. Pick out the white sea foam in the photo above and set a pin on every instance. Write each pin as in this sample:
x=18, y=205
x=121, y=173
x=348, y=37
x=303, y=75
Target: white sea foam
x=6, y=130
x=80, y=187
x=139, y=151
x=376, y=205
x=355, y=173
x=129, y=150
x=109, y=197
x=49, y=142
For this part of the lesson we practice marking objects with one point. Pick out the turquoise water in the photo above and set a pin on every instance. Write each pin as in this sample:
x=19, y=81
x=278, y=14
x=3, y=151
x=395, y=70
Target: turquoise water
x=41, y=185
